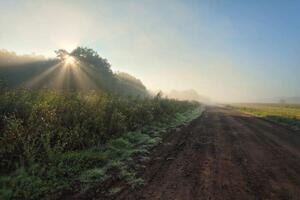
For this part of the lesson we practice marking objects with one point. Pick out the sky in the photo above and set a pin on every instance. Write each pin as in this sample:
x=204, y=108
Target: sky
x=228, y=50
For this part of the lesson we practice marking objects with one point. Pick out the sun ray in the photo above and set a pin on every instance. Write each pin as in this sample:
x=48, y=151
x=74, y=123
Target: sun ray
x=58, y=81
x=91, y=73
x=70, y=73
x=44, y=75
x=83, y=81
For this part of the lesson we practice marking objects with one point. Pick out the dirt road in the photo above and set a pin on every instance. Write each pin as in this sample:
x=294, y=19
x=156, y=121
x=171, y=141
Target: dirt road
x=224, y=155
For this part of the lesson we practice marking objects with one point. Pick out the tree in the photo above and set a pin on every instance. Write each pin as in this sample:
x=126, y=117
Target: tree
x=91, y=57
x=61, y=53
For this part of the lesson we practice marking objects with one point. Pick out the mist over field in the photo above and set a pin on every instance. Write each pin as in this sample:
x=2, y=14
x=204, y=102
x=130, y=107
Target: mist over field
x=20, y=70
x=230, y=52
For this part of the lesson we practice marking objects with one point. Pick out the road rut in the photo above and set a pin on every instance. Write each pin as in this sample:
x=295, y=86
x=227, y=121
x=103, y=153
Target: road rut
x=224, y=155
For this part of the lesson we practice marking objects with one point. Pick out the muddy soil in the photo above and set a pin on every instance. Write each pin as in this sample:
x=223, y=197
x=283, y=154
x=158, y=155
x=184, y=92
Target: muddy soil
x=223, y=155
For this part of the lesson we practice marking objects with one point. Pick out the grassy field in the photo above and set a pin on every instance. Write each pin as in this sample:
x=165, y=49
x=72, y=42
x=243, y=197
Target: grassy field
x=286, y=114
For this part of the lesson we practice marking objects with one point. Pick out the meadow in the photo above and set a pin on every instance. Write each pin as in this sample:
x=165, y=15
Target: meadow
x=285, y=114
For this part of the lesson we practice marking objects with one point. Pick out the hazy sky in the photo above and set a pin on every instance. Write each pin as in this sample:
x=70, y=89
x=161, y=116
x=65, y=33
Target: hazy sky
x=229, y=50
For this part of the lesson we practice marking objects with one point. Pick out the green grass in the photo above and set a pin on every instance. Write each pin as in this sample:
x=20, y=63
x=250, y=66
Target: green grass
x=49, y=140
x=285, y=114
x=93, y=165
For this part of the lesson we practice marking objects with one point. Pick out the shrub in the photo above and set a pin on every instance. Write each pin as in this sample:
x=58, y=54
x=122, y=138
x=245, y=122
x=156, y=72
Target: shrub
x=48, y=139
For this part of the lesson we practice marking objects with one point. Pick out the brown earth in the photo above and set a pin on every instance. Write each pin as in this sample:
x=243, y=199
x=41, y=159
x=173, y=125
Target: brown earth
x=223, y=155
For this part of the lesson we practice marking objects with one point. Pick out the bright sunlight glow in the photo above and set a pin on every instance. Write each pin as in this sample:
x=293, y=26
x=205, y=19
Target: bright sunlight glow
x=69, y=60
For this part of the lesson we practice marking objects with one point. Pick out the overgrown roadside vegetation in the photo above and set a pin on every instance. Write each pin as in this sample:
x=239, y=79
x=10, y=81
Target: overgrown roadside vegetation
x=51, y=141
x=285, y=114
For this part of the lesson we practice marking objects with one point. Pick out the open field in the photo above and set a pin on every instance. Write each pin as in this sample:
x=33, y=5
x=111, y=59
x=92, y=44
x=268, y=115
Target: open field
x=286, y=114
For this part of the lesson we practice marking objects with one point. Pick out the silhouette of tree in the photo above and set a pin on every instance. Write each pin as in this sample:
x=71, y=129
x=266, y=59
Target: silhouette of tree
x=61, y=53
x=92, y=57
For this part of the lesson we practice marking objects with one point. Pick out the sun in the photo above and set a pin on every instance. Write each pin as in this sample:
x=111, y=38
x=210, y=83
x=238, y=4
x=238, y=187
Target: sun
x=69, y=60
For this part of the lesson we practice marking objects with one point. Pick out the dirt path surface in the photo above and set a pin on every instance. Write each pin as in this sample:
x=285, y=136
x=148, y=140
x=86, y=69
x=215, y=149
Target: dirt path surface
x=224, y=155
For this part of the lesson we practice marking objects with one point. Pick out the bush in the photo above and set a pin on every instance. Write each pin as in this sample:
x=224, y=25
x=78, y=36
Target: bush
x=49, y=139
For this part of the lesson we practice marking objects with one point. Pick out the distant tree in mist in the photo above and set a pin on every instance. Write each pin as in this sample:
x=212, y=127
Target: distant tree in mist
x=8, y=58
x=130, y=83
x=282, y=101
x=18, y=70
x=187, y=95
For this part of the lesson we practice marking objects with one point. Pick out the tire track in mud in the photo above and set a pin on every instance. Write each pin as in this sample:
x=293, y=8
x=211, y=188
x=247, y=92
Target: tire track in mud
x=223, y=155
x=275, y=167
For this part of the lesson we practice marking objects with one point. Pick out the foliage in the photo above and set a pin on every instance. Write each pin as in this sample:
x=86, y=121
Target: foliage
x=49, y=139
x=91, y=57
